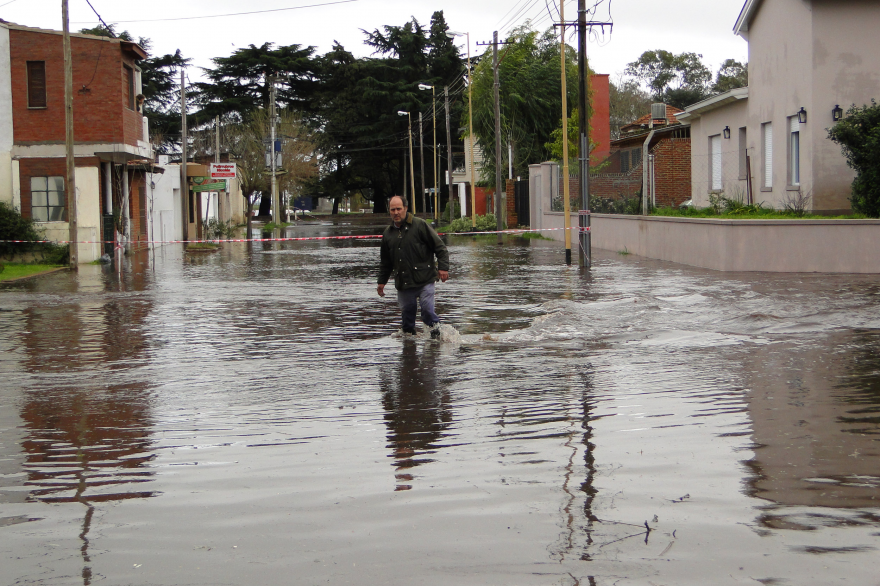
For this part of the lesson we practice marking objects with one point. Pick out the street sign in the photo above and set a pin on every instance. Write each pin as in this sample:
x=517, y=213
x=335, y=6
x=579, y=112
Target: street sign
x=218, y=186
x=222, y=171
x=205, y=184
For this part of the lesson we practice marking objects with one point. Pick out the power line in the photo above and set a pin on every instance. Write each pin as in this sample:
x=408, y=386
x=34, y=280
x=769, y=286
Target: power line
x=232, y=14
x=109, y=30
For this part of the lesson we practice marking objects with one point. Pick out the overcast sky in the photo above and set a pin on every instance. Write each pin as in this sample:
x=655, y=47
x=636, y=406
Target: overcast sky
x=639, y=25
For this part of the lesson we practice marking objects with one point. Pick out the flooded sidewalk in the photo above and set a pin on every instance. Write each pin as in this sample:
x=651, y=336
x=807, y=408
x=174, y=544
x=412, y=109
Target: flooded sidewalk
x=249, y=417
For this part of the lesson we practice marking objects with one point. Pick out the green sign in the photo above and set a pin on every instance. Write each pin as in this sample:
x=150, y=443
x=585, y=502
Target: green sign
x=216, y=186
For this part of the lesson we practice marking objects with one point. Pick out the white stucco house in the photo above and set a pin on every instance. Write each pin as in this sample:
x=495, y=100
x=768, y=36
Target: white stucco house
x=809, y=61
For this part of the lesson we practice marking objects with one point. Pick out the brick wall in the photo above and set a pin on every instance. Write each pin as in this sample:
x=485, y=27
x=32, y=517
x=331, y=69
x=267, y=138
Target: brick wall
x=100, y=116
x=672, y=176
x=672, y=171
x=512, y=220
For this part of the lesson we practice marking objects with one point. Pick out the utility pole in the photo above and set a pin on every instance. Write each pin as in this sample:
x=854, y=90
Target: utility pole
x=585, y=256
x=217, y=160
x=565, y=187
x=422, y=155
x=68, y=139
x=498, y=176
x=449, y=156
x=471, y=136
x=276, y=203
x=436, y=161
x=184, y=187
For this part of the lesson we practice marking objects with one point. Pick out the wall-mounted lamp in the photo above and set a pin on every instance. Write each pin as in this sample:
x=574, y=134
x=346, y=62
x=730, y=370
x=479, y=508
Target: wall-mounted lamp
x=727, y=132
x=802, y=115
x=837, y=113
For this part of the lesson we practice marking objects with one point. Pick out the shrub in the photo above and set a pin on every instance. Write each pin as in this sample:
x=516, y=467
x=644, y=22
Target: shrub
x=858, y=135
x=14, y=226
x=217, y=230
x=456, y=213
x=485, y=223
x=626, y=205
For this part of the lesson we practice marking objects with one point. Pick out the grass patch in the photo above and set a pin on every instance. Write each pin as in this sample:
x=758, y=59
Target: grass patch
x=752, y=212
x=533, y=236
x=202, y=246
x=13, y=271
x=624, y=252
x=271, y=226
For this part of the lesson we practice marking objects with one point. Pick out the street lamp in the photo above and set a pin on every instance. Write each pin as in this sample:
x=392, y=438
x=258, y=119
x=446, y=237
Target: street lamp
x=412, y=178
x=424, y=86
x=470, y=125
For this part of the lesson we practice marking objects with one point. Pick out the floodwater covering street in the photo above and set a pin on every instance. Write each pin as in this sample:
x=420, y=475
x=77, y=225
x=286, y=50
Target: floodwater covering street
x=248, y=417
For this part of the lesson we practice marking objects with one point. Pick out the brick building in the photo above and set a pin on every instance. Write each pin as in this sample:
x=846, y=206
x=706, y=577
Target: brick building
x=671, y=147
x=112, y=150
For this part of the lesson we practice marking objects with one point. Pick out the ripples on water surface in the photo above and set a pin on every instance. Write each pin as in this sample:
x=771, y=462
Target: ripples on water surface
x=247, y=417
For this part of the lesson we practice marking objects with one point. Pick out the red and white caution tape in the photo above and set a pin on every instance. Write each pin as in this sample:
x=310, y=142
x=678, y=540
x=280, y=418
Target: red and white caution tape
x=301, y=238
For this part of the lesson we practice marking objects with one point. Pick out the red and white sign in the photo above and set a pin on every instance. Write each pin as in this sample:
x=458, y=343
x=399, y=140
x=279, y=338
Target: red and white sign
x=222, y=170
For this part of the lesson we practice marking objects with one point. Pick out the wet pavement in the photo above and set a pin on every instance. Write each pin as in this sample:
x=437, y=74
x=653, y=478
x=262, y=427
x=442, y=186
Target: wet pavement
x=248, y=417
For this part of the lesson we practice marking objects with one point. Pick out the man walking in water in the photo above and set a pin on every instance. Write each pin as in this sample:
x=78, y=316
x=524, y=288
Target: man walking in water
x=408, y=248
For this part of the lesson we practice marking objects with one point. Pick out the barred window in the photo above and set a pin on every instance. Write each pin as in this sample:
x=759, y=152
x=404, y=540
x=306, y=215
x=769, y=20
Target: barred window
x=47, y=199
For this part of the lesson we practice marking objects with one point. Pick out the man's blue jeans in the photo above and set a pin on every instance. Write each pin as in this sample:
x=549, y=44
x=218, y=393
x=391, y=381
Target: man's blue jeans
x=410, y=299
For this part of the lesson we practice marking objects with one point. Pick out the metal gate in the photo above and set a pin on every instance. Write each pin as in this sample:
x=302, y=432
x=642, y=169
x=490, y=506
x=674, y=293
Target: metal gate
x=521, y=202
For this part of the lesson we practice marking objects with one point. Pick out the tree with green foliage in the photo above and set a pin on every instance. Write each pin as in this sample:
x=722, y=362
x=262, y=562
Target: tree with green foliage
x=246, y=141
x=858, y=135
x=731, y=75
x=241, y=83
x=363, y=138
x=678, y=80
x=531, y=98
x=628, y=102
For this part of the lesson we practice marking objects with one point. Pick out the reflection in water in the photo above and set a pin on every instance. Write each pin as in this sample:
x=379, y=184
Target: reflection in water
x=816, y=427
x=595, y=407
x=416, y=412
x=86, y=442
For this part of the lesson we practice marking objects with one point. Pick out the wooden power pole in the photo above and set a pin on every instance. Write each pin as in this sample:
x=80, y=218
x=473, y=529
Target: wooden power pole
x=68, y=140
x=184, y=187
x=499, y=180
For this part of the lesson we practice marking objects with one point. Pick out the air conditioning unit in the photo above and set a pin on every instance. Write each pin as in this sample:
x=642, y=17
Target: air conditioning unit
x=658, y=111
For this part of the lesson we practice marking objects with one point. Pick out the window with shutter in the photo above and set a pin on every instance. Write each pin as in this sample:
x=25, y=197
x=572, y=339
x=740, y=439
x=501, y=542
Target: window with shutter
x=715, y=162
x=767, y=130
x=794, y=153
x=36, y=84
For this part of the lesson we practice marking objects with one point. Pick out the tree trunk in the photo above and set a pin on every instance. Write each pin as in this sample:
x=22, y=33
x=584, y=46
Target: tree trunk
x=335, y=205
x=247, y=211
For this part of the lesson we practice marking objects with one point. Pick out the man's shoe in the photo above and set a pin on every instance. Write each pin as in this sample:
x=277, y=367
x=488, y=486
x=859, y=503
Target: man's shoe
x=411, y=332
x=435, y=332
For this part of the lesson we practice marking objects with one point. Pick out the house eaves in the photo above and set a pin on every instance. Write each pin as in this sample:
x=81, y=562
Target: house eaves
x=695, y=111
x=745, y=18
x=130, y=46
x=639, y=136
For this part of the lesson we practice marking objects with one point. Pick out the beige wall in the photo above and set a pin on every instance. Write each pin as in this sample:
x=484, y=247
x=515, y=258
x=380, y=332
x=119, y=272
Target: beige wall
x=781, y=246
x=846, y=70
x=777, y=246
x=813, y=54
x=780, y=84
x=712, y=123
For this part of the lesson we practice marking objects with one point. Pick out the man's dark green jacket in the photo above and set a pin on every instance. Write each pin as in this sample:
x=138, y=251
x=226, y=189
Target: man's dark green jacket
x=409, y=252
